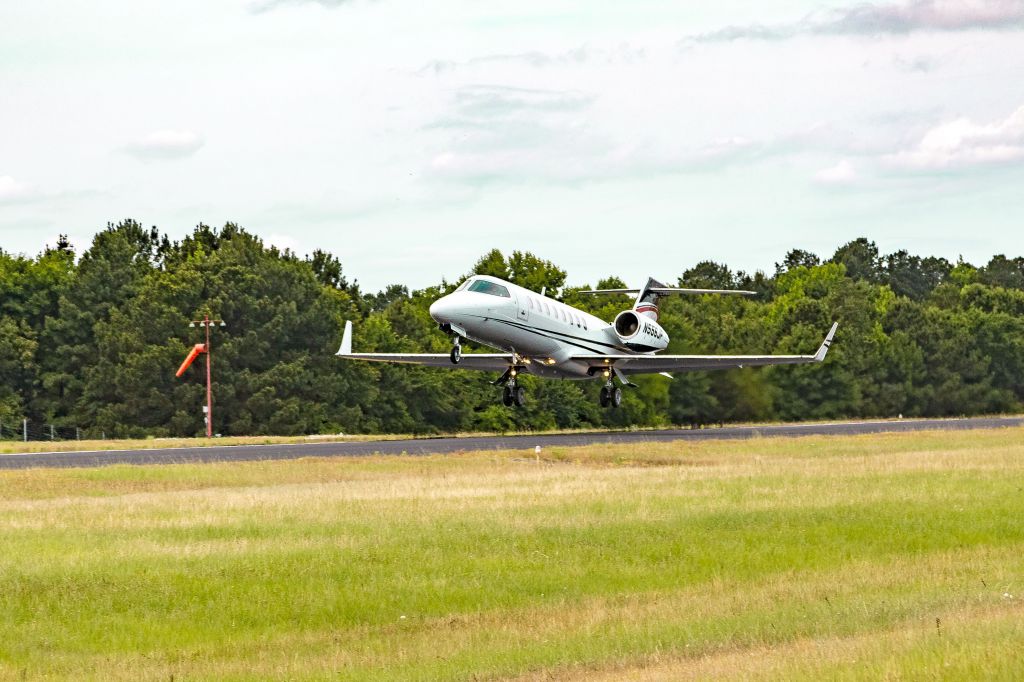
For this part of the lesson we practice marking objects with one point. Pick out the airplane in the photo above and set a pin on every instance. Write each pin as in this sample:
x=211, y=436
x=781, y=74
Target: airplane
x=538, y=335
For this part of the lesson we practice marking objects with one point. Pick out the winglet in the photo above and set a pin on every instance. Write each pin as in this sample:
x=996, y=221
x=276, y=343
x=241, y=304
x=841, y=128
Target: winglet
x=820, y=355
x=346, y=340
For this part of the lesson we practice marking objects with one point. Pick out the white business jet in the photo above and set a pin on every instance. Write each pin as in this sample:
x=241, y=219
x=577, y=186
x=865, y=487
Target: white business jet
x=538, y=335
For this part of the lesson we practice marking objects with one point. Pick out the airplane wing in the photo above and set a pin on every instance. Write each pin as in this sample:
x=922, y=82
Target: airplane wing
x=488, y=362
x=657, y=364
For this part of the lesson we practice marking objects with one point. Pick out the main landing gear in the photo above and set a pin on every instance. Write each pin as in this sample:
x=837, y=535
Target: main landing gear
x=611, y=395
x=512, y=394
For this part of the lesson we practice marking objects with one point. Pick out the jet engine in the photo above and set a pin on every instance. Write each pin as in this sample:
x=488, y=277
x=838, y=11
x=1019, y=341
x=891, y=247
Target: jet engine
x=639, y=332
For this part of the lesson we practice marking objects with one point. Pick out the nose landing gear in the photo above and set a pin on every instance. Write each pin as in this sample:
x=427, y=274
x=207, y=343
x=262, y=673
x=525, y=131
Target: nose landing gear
x=456, y=354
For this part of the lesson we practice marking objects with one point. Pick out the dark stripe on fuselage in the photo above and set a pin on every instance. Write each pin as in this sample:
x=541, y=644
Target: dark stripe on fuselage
x=520, y=325
x=538, y=332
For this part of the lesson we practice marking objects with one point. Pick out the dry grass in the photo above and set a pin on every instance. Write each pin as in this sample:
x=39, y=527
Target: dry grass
x=18, y=447
x=966, y=643
x=11, y=447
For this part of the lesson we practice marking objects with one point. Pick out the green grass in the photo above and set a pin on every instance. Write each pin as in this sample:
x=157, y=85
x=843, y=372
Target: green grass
x=811, y=557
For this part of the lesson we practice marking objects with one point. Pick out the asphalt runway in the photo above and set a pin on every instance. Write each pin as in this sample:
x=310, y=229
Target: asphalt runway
x=432, y=446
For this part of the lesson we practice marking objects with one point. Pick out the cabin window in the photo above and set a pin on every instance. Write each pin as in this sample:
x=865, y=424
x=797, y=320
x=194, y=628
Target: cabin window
x=529, y=302
x=482, y=286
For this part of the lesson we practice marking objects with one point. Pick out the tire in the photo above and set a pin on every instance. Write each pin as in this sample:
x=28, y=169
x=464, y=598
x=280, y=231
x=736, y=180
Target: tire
x=506, y=397
x=604, y=396
x=456, y=355
x=520, y=396
x=616, y=396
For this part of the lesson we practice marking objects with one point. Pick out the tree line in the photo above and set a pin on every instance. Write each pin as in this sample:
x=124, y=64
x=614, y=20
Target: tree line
x=93, y=340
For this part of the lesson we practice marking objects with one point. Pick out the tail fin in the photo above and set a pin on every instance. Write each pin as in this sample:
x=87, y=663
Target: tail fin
x=647, y=300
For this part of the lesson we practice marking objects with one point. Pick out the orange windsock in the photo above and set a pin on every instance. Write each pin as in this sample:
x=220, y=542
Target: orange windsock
x=192, y=355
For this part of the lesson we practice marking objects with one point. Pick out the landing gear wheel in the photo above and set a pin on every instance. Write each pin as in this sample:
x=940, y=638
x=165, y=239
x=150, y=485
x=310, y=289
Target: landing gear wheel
x=605, y=398
x=456, y=355
x=506, y=396
x=616, y=396
x=519, y=395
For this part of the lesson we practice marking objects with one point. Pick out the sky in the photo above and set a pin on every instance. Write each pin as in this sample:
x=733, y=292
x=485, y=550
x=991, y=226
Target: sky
x=633, y=139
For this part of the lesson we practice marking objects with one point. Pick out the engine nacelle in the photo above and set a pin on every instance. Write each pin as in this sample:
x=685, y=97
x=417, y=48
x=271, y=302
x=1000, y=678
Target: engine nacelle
x=639, y=332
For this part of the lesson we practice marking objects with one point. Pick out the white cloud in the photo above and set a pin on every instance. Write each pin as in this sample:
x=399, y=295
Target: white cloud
x=166, y=144
x=887, y=18
x=620, y=54
x=843, y=173
x=933, y=15
x=963, y=142
x=11, y=190
x=526, y=135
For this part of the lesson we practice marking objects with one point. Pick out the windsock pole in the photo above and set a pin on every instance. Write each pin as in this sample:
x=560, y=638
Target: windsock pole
x=204, y=349
x=209, y=390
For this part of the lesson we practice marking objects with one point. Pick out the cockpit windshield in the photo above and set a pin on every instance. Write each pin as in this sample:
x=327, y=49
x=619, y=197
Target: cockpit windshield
x=464, y=284
x=484, y=287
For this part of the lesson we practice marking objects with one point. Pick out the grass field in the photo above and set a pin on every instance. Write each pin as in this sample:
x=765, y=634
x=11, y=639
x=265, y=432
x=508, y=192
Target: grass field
x=14, y=446
x=886, y=556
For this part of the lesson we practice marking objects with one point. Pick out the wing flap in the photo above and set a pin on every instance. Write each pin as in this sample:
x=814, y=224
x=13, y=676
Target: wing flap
x=656, y=364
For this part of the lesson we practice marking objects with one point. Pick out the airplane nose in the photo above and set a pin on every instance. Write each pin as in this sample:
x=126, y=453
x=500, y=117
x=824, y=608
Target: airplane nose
x=441, y=309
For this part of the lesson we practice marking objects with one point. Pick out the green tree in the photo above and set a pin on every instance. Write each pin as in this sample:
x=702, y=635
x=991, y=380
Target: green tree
x=708, y=275
x=861, y=260
x=95, y=343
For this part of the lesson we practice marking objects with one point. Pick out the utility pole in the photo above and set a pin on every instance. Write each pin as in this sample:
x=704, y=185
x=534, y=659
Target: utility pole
x=206, y=322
